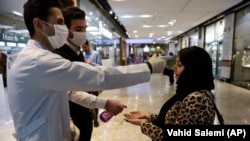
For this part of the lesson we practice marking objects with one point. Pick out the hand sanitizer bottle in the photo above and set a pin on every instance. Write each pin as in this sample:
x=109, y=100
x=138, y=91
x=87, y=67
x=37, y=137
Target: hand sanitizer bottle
x=105, y=116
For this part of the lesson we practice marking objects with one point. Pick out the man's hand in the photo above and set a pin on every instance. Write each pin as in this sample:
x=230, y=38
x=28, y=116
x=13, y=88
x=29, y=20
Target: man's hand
x=88, y=61
x=114, y=107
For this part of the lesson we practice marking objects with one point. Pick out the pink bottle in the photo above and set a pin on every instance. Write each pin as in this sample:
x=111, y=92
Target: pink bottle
x=105, y=116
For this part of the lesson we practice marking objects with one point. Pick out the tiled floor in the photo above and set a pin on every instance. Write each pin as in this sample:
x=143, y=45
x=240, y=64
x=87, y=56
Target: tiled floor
x=232, y=101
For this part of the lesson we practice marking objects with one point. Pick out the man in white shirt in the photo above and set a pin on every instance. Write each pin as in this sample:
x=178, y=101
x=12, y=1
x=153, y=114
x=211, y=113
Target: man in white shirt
x=39, y=80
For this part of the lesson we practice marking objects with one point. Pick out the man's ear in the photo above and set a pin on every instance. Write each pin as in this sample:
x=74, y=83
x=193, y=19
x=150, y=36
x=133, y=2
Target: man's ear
x=70, y=34
x=37, y=24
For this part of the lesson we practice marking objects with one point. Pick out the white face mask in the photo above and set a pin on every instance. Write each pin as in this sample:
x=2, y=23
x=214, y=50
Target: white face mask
x=61, y=34
x=79, y=38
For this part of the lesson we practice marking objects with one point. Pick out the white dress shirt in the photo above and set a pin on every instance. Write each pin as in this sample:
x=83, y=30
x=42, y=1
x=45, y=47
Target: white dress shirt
x=83, y=98
x=38, y=83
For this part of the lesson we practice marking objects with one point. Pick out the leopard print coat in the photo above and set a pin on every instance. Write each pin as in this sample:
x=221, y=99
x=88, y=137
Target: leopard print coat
x=196, y=108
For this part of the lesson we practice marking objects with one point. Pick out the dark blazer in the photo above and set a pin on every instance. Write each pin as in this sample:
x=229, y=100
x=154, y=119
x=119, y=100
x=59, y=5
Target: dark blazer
x=81, y=116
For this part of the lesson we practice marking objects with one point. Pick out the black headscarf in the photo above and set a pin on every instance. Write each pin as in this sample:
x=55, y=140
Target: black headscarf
x=197, y=75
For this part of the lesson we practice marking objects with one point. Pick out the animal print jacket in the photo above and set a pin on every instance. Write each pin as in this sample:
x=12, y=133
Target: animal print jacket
x=195, y=109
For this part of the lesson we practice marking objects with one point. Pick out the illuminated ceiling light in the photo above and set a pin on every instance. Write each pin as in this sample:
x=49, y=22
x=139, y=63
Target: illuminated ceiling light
x=92, y=28
x=162, y=26
x=136, y=36
x=169, y=33
x=146, y=26
x=135, y=31
x=116, y=34
x=95, y=33
x=110, y=12
x=127, y=16
x=145, y=16
x=128, y=34
x=90, y=13
x=172, y=22
x=151, y=34
x=17, y=13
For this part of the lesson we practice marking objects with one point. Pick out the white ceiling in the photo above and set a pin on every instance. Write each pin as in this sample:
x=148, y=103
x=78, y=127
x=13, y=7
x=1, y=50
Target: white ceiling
x=187, y=13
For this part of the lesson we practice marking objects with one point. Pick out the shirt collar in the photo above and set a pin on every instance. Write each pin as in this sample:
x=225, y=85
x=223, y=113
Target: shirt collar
x=74, y=48
x=32, y=42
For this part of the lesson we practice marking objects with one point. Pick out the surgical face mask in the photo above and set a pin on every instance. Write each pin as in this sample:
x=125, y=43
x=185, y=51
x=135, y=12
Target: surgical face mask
x=79, y=38
x=61, y=34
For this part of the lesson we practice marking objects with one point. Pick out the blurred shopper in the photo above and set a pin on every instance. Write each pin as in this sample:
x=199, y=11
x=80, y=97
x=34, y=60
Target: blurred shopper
x=39, y=79
x=93, y=58
x=3, y=65
x=193, y=103
x=168, y=70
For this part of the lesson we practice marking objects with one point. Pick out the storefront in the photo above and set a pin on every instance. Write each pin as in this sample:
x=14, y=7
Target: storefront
x=193, y=39
x=213, y=45
x=12, y=43
x=241, y=50
x=102, y=34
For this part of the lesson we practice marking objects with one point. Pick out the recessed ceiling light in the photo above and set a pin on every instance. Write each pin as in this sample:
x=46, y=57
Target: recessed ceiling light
x=127, y=16
x=17, y=13
x=92, y=28
x=146, y=26
x=169, y=33
x=162, y=26
x=145, y=16
x=151, y=34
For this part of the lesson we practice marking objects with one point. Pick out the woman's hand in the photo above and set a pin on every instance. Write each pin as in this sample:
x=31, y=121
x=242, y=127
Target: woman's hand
x=137, y=115
x=138, y=122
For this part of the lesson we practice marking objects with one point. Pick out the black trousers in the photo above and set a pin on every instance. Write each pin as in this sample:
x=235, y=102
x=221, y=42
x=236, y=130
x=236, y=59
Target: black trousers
x=96, y=93
x=170, y=74
x=82, y=118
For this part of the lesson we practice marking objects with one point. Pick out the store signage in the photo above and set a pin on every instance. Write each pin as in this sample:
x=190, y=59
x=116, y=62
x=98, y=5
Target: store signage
x=13, y=38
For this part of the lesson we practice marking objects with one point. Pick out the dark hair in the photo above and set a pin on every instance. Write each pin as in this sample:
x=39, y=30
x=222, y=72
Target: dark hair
x=70, y=13
x=198, y=74
x=87, y=42
x=37, y=9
